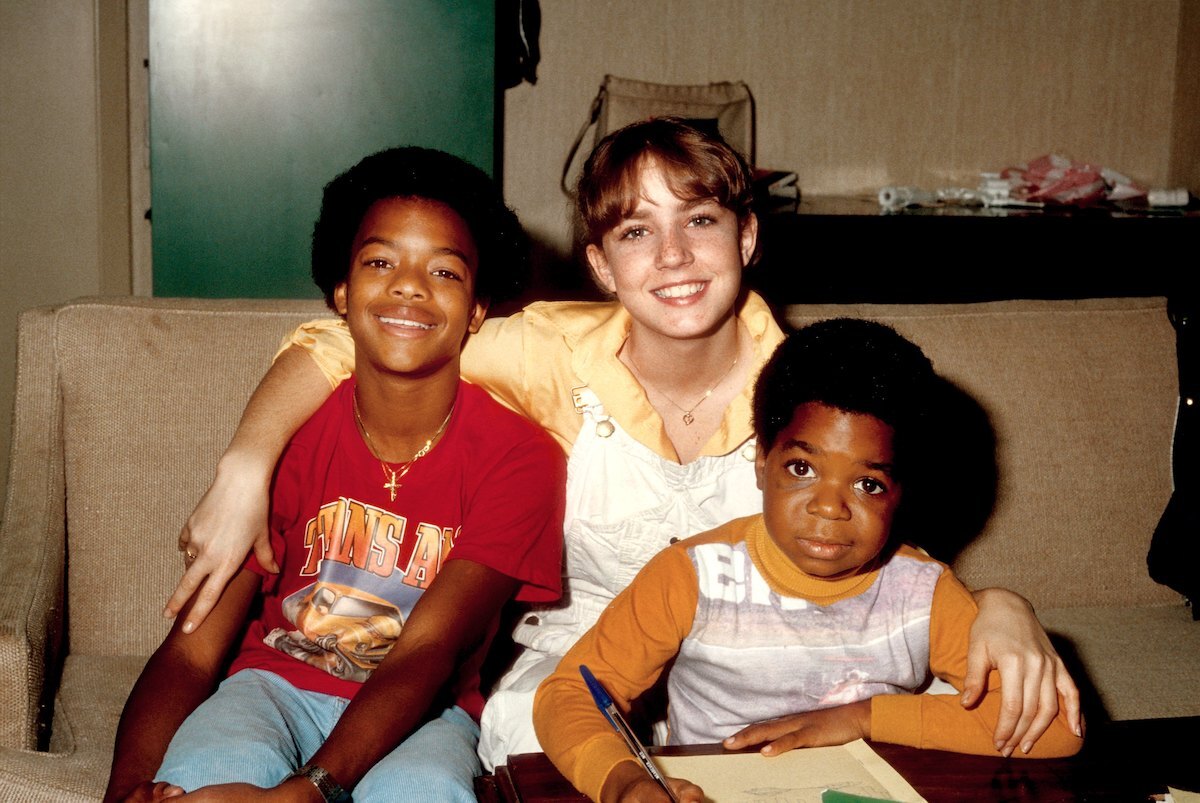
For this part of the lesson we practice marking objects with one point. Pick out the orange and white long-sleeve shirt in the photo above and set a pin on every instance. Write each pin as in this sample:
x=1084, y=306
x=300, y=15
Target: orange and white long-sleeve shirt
x=754, y=638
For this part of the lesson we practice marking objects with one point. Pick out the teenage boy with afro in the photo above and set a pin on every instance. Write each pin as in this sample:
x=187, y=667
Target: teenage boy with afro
x=404, y=514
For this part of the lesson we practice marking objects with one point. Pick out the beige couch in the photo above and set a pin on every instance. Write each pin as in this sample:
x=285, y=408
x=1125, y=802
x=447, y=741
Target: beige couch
x=123, y=406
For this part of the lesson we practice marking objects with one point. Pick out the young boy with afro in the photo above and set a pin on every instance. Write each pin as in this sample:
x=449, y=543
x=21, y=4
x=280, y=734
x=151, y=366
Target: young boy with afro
x=813, y=606
x=404, y=514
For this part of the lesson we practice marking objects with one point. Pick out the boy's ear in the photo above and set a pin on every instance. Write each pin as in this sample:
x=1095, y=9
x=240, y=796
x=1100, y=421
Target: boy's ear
x=600, y=269
x=339, y=299
x=748, y=238
x=478, y=313
x=760, y=464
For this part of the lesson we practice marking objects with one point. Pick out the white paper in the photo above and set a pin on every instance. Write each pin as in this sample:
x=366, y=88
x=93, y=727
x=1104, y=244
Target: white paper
x=798, y=776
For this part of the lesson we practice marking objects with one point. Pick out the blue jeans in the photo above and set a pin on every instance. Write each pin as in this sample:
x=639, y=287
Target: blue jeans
x=257, y=728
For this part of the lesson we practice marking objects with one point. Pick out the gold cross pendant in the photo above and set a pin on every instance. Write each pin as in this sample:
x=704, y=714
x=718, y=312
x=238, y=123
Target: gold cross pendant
x=392, y=485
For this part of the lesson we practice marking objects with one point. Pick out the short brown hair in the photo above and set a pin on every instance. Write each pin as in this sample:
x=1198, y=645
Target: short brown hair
x=696, y=165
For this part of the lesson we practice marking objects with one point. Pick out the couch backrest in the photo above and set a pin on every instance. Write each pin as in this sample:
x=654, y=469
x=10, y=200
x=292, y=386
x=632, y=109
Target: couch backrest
x=1082, y=397
x=151, y=393
x=1081, y=394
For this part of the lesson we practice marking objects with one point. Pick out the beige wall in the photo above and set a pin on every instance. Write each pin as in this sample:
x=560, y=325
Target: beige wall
x=63, y=162
x=1185, y=144
x=851, y=94
x=858, y=94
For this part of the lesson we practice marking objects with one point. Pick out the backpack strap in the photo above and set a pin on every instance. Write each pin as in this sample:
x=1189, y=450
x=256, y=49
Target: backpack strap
x=593, y=116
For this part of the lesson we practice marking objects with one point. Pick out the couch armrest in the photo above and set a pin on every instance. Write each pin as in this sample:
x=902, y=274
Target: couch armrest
x=32, y=539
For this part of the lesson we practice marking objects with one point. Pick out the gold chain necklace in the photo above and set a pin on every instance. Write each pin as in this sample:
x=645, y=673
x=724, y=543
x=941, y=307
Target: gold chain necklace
x=394, y=475
x=688, y=418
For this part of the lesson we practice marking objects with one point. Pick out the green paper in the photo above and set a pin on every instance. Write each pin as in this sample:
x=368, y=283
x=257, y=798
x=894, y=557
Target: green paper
x=834, y=796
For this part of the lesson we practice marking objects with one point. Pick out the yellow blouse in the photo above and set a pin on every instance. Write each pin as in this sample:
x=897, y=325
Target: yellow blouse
x=530, y=362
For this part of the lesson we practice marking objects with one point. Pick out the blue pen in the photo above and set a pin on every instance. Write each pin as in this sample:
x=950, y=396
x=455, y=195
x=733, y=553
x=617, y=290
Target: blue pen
x=613, y=714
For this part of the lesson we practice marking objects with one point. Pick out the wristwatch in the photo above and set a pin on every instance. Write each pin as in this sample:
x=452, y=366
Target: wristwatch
x=319, y=777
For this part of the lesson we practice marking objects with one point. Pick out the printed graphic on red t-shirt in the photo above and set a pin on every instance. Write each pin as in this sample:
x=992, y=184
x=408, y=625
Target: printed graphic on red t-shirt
x=347, y=620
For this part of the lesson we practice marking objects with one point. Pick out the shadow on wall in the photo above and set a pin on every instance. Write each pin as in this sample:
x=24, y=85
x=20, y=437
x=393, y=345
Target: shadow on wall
x=949, y=507
x=555, y=276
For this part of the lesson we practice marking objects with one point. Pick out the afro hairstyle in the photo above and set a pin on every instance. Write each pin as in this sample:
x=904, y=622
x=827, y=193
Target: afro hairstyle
x=413, y=172
x=850, y=364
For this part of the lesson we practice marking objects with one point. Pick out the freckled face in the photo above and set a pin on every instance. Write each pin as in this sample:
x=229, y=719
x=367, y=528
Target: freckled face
x=674, y=263
x=828, y=492
x=409, y=297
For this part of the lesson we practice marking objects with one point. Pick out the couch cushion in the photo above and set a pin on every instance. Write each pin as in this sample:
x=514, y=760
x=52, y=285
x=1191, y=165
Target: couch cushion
x=1142, y=662
x=89, y=702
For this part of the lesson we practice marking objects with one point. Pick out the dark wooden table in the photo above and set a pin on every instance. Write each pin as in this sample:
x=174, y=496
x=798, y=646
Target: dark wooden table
x=1121, y=761
x=837, y=250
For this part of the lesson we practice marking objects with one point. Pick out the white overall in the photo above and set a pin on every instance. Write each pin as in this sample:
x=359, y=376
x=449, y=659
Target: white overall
x=624, y=504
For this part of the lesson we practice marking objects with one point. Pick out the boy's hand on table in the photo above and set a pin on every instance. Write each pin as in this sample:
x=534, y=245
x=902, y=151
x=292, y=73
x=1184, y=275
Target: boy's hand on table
x=230, y=518
x=829, y=726
x=629, y=783
x=1008, y=637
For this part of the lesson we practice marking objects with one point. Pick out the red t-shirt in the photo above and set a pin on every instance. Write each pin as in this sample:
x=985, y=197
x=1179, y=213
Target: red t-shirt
x=353, y=562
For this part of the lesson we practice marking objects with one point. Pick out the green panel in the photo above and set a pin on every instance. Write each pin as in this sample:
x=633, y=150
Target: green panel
x=256, y=104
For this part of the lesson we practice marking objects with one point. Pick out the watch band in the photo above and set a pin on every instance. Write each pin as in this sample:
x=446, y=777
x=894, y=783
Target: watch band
x=319, y=777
